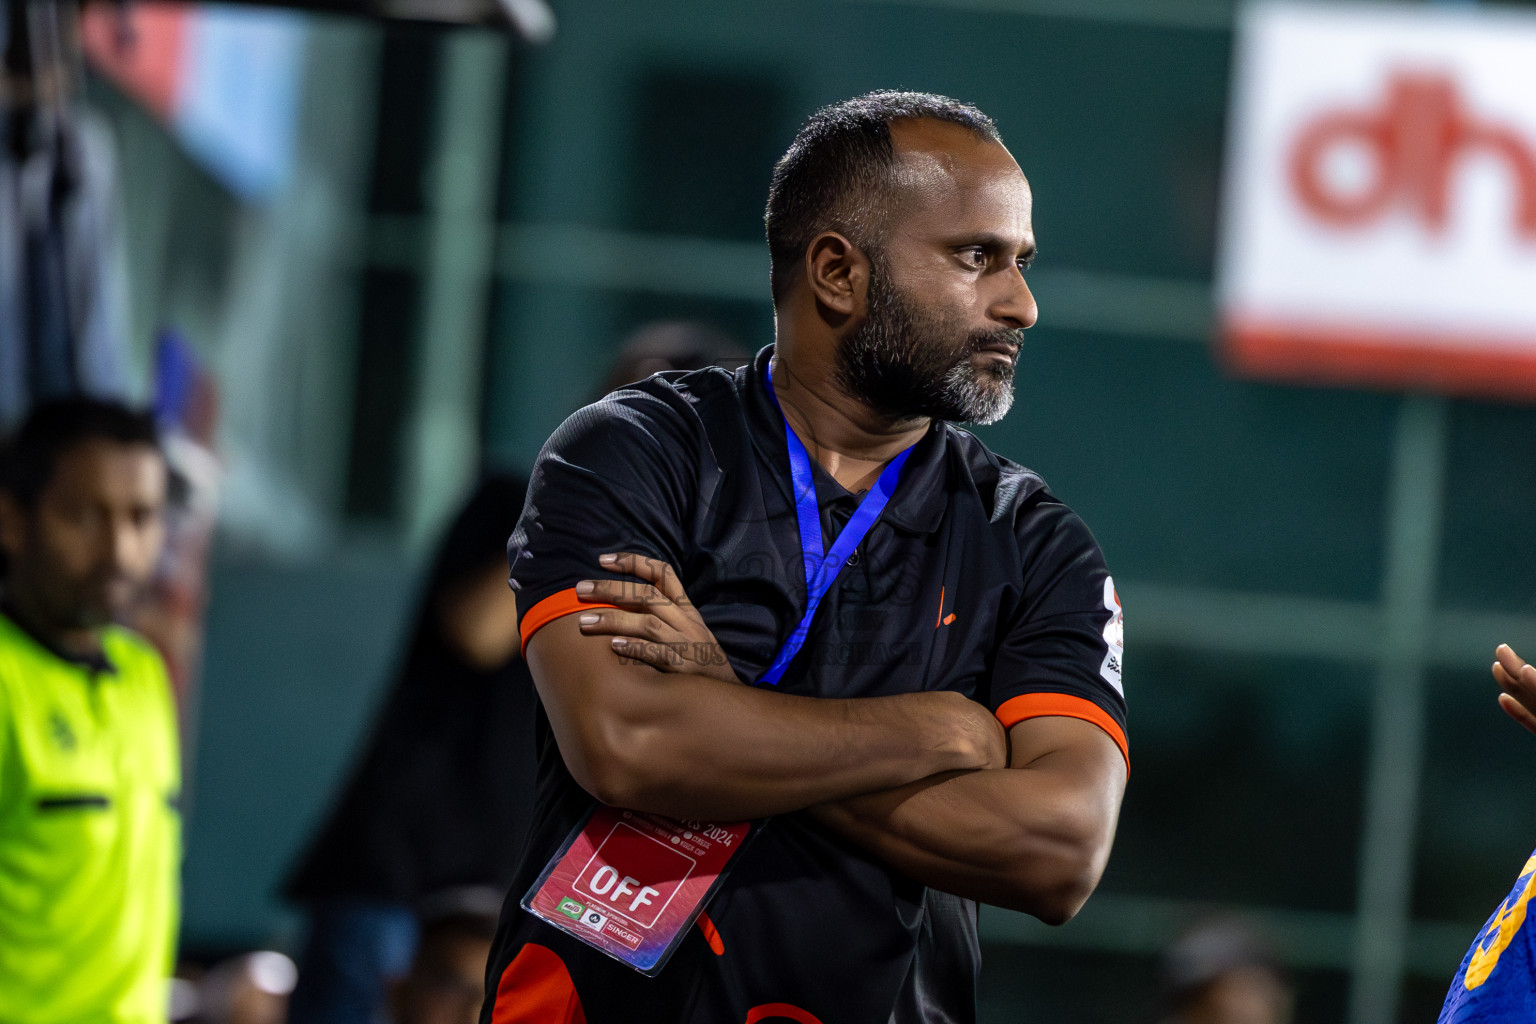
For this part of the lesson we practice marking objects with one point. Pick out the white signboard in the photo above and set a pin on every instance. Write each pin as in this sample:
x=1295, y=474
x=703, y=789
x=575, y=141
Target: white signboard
x=1379, y=222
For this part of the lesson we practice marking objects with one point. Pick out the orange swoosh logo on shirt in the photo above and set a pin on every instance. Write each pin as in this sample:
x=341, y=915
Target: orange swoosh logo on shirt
x=942, y=619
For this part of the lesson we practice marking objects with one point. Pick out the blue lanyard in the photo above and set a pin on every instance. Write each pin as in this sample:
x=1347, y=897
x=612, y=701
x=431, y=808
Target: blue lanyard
x=821, y=569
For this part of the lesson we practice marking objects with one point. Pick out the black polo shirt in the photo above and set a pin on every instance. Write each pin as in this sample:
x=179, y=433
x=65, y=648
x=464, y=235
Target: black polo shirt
x=974, y=579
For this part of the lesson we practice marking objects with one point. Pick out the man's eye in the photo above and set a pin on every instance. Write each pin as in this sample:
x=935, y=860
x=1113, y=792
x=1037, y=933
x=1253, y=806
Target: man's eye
x=976, y=256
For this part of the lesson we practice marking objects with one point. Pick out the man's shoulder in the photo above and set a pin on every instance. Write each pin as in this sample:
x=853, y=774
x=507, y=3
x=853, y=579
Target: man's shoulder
x=1018, y=496
x=133, y=655
x=685, y=395
x=1007, y=489
x=27, y=668
x=131, y=643
x=145, y=681
x=23, y=657
x=673, y=412
x=12, y=654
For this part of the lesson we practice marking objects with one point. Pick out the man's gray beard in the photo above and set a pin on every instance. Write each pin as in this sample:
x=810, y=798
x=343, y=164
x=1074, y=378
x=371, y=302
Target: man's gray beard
x=897, y=362
x=972, y=399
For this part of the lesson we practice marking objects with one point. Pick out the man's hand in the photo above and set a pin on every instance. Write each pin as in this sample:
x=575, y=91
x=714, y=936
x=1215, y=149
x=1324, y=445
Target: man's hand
x=1033, y=836
x=654, y=623
x=1518, y=680
x=658, y=626
x=678, y=743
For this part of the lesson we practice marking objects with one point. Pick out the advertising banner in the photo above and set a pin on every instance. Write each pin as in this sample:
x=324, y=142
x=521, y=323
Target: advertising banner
x=226, y=80
x=1379, y=215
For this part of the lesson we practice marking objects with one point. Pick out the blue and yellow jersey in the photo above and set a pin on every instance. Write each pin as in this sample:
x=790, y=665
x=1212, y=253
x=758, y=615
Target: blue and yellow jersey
x=1497, y=980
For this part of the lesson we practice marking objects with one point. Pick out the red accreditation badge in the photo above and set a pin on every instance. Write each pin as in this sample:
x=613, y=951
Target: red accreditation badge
x=631, y=884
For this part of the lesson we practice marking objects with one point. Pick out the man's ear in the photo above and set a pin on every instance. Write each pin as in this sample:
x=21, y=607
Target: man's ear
x=837, y=272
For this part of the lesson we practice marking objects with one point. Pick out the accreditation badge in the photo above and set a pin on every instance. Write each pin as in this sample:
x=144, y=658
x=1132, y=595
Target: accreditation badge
x=631, y=884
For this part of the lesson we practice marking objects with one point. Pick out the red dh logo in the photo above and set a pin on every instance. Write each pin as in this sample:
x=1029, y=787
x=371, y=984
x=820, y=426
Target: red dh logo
x=1415, y=137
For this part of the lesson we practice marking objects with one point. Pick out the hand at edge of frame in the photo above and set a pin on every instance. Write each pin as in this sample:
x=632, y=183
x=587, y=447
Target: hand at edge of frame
x=1518, y=681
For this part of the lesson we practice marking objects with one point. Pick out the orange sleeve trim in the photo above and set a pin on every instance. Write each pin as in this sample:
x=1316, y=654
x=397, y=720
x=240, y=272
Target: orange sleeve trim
x=711, y=934
x=1062, y=705
x=789, y=1011
x=553, y=607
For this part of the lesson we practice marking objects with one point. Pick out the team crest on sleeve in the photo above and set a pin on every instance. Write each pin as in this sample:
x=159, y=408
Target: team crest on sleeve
x=1501, y=929
x=1114, y=638
x=1494, y=984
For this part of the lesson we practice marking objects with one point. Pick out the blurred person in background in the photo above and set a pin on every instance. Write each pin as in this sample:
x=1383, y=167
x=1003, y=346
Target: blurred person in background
x=250, y=988
x=1496, y=983
x=446, y=982
x=441, y=797
x=442, y=793
x=90, y=775
x=672, y=345
x=1224, y=972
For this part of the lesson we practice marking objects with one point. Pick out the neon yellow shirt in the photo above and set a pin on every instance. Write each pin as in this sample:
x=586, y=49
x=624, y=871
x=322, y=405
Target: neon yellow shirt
x=90, y=837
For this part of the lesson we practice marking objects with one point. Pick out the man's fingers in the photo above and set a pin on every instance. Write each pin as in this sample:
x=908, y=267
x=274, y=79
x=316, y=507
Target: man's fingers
x=657, y=655
x=1513, y=664
x=1514, y=709
x=1518, y=681
x=624, y=593
x=636, y=597
x=652, y=570
x=617, y=622
x=1502, y=677
x=672, y=586
x=1515, y=676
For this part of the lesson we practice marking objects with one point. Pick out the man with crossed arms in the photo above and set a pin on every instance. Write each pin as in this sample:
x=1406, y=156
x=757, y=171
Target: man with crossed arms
x=950, y=731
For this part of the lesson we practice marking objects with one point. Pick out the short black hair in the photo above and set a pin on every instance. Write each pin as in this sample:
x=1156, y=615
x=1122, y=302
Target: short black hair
x=836, y=173
x=54, y=427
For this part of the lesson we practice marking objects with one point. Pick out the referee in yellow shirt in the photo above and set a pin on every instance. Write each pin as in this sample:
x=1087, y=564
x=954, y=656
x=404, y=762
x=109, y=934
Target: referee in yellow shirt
x=89, y=767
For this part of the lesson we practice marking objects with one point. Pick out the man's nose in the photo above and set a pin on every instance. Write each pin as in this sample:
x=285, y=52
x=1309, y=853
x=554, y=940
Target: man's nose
x=1017, y=308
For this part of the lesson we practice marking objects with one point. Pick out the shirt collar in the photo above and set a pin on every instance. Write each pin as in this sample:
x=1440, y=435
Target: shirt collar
x=98, y=663
x=921, y=496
